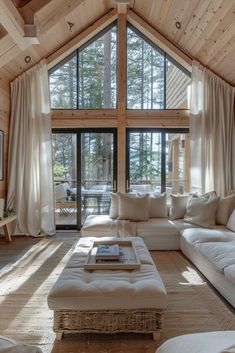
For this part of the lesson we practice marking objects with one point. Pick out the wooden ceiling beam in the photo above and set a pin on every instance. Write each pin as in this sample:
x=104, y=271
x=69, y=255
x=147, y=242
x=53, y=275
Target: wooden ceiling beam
x=13, y=22
x=162, y=42
x=90, y=31
x=9, y=48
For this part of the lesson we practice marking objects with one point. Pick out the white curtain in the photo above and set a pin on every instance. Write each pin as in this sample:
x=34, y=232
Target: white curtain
x=30, y=182
x=212, y=132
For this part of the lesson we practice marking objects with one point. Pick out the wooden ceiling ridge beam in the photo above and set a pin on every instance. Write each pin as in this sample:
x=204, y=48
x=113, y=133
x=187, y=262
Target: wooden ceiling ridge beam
x=159, y=39
x=82, y=37
x=13, y=22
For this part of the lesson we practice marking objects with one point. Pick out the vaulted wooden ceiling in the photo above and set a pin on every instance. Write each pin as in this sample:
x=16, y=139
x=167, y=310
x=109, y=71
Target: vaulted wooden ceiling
x=203, y=29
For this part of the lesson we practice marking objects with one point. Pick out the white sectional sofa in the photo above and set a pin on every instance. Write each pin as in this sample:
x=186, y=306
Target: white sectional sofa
x=157, y=233
x=206, y=342
x=210, y=246
x=212, y=251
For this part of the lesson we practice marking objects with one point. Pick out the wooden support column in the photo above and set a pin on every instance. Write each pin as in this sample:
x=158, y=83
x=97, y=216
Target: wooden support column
x=121, y=165
x=186, y=164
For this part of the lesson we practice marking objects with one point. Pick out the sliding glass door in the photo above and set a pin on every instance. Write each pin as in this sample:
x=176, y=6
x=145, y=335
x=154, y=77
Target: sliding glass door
x=84, y=174
x=158, y=160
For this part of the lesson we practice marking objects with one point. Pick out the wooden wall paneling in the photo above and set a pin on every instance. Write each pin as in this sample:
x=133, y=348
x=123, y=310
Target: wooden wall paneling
x=154, y=11
x=223, y=46
x=121, y=167
x=214, y=27
x=157, y=38
x=228, y=67
x=143, y=7
x=54, y=11
x=9, y=49
x=200, y=7
x=208, y=16
x=81, y=38
x=181, y=13
x=218, y=55
x=163, y=12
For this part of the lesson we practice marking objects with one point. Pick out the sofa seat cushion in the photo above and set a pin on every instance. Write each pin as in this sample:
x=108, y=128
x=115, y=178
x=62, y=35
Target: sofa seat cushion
x=159, y=234
x=221, y=254
x=207, y=342
x=77, y=289
x=156, y=226
x=229, y=272
x=181, y=224
x=202, y=235
x=103, y=225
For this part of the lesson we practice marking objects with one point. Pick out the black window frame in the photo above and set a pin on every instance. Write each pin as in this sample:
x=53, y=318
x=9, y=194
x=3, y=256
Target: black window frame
x=78, y=132
x=163, y=132
x=165, y=56
x=76, y=53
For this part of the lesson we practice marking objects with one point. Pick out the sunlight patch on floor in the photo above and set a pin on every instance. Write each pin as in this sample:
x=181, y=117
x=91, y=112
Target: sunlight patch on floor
x=192, y=278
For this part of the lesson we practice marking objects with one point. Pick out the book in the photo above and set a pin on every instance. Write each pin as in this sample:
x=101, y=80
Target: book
x=107, y=252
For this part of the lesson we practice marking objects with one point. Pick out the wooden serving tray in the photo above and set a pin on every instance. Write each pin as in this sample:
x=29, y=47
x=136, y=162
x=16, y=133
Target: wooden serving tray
x=128, y=261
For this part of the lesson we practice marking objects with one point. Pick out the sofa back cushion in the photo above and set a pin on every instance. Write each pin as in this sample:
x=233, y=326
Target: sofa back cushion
x=133, y=207
x=224, y=210
x=201, y=210
x=157, y=206
x=178, y=206
x=231, y=221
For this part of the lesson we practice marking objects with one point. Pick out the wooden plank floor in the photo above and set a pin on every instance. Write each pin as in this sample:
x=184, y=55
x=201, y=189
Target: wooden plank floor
x=29, y=267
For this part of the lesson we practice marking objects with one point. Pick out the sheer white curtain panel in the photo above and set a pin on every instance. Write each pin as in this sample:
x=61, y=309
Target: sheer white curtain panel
x=30, y=180
x=212, y=132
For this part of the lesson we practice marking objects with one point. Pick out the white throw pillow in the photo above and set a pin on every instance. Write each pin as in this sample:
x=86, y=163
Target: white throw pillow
x=113, y=212
x=178, y=206
x=201, y=210
x=231, y=221
x=157, y=206
x=224, y=210
x=133, y=207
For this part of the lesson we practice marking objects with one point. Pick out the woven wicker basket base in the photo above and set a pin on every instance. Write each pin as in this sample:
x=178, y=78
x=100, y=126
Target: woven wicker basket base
x=108, y=321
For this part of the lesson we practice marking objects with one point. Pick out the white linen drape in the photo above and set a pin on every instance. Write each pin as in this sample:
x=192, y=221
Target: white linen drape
x=212, y=132
x=30, y=181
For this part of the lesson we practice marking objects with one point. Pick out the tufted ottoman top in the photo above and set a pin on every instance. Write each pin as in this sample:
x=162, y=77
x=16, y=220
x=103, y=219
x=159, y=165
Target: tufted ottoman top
x=77, y=289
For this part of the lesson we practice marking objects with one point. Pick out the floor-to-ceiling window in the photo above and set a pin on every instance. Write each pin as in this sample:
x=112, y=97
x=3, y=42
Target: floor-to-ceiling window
x=84, y=165
x=157, y=160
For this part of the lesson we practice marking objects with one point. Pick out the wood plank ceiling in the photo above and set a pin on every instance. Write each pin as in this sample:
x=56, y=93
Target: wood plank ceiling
x=203, y=29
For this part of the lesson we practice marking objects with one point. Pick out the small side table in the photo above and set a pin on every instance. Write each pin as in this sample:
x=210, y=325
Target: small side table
x=4, y=223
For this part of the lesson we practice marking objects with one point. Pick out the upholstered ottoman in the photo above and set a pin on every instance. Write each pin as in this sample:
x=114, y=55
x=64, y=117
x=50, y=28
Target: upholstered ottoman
x=10, y=346
x=209, y=342
x=108, y=301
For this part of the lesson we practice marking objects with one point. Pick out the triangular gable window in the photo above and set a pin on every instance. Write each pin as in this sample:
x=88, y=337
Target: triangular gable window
x=154, y=79
x=87, y=78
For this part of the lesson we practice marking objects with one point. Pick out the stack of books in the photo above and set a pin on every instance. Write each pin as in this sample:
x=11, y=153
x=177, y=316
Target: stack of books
x=107, y=252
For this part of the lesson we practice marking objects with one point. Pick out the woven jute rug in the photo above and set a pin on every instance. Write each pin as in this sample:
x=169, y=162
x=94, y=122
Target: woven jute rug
x=193, y=305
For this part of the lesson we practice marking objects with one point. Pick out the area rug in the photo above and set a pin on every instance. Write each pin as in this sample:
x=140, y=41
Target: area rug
x=193, y=305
